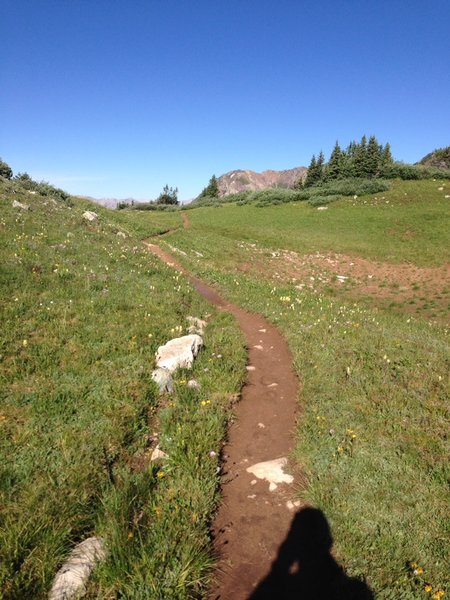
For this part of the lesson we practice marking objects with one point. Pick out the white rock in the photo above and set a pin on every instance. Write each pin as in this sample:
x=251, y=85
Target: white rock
x=196, y=325
x=157, y=454
x=70, y=581
x=89, y=215
x=179, y=353
x=16, y=204
x=322, y=208
x=32, y=192
x=292, y=505
x=271, y=471
x=193, y=384
x=121, y=234
x=250, y=368
x=258, y=347
x=163, y=379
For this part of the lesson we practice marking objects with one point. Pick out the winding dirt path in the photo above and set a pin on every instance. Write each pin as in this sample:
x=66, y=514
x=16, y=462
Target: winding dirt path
x=255, y=513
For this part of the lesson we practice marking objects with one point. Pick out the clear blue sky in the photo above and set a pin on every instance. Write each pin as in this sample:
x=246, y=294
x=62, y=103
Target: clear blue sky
x=115, y=99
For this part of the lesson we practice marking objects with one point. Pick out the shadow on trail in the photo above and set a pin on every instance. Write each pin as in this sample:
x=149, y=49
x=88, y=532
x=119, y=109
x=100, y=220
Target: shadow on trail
x=304, y=568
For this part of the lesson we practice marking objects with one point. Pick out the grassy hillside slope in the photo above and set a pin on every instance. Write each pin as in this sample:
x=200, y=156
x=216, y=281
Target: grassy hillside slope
x=83, y=312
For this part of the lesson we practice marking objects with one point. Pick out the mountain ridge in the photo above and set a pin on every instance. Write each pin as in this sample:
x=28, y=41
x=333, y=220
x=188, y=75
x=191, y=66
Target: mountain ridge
x=241, y=180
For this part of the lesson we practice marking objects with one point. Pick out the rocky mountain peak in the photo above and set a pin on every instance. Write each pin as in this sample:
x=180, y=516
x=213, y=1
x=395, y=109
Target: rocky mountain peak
x=247, y=180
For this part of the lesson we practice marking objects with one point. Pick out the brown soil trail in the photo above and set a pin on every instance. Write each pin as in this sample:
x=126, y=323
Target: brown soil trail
x=185, y=218
x=252, y=521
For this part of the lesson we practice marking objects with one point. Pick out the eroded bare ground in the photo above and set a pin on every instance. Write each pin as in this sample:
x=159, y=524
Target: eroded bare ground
x=403, y=287
x=258, y=485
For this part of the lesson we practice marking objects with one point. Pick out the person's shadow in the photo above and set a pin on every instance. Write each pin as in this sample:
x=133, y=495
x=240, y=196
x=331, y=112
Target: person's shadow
x=304, y=568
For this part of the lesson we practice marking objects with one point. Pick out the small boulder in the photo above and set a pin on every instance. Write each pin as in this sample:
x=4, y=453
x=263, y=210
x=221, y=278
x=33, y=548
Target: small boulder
x=179, y=353
x=89, y=215
x=196, y=325
x=163, y=379
x=70, y=581
x=157, y=454
x=16, y=204
x=193, y=384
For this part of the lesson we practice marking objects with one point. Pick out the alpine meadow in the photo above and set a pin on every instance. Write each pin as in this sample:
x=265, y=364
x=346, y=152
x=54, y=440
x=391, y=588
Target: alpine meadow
x=350, y=266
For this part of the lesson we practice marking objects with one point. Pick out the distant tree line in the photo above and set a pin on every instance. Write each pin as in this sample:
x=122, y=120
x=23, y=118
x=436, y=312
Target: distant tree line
x=366, y=160
x=168, y=198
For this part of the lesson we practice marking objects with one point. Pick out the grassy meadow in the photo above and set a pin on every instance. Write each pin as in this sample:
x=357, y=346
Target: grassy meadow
x=83, y=311
x=373, y=438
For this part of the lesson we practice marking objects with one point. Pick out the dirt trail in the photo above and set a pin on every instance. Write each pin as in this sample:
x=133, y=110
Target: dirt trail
x=252, y=520
x=185, y=218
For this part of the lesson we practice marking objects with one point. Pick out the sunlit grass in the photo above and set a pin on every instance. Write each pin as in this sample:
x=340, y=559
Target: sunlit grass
x=83, y=311
x=372, y=440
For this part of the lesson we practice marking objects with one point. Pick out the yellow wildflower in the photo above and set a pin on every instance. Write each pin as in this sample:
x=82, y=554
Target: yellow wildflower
x=130, y=535
x=418, y=571
x=428, y=588
x=160, y=474
x=438, y=595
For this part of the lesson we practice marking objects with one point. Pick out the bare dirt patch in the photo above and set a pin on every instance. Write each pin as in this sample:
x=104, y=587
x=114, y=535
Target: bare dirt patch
x=403, y=287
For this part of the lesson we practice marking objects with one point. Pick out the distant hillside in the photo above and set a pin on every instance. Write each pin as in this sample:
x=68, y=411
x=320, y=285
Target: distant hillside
x=439, y=158
x=242, y=181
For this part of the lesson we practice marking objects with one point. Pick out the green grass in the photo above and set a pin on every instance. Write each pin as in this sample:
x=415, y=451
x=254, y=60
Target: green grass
x=404, y=224
x=83, y=312
x=373, y=437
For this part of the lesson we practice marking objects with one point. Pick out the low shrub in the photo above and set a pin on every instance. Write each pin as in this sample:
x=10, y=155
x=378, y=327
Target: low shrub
x=415, y=172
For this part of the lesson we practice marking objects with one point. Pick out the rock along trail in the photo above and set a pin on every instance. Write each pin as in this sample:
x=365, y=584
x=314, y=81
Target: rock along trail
x=258, y=500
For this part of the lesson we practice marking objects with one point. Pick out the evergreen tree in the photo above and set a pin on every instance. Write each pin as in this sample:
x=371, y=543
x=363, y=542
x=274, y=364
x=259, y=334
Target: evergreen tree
x=211, y=190
x=386, y=160
x=348, y=162
x=360, y=158
x=335, y=166
x=311, y=175
x=168, y=196
x=372, y=158
x=320, y=167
